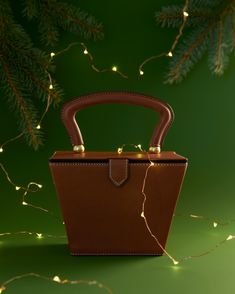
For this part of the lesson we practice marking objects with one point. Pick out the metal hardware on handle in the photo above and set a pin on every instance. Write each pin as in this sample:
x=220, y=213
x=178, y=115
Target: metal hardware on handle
x=79, y=148
x=156, y=149
x=69, y=110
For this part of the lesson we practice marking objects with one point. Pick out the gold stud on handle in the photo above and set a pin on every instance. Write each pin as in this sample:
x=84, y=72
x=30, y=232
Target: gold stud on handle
x=78, y=148
x=156, y=149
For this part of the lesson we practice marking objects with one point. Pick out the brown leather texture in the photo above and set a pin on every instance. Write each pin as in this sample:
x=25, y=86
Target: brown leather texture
x=71, y=108
x=101, y=192
x=104, y=216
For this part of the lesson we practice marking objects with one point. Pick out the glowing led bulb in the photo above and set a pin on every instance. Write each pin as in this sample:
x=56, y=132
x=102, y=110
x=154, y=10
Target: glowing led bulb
x=152, y=163
x=185, y=13
x=85, y=51
x=175, y=262
x=1, y=149
x=39, y=235
x=52, y=54
x=141, y=72
x=215, y=224
x=114, y=68
x=17, y=188
x=139, y=146
x=142, y=214
x=119, y=150
x=39, y=186
x=170, y=54
x=2, y=289
x=230, y=237
x=51, y=87
x=57, y=279
x=24, y=203
x=38, y=127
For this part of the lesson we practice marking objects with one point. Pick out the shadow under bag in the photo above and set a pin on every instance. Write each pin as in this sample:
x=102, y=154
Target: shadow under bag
x=101, y=193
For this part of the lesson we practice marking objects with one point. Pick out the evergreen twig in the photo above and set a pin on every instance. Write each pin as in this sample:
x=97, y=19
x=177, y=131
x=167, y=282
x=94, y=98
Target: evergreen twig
x=25, y=71
x=210, y=28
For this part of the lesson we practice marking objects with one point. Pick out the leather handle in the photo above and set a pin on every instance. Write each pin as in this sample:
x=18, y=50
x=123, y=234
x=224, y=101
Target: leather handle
x=69, y=110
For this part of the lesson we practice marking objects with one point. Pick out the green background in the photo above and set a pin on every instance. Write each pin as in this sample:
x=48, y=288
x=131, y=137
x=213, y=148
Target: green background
x=203, y=131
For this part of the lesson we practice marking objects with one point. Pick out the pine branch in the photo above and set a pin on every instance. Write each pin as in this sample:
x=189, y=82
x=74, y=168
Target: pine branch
x=211, y=26
x=232, y=21
x=208, y=3
x=22, y=106
x=188, y=54
x=78, y=22
x=171, y=16
x=218, y=62
x=53, y=15
x=25, y=71
x=31, y=8
x=47, y=26
x=38, y=85
x=221, y=46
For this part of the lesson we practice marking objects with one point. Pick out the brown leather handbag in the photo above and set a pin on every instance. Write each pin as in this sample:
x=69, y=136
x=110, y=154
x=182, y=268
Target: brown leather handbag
x=111, y=201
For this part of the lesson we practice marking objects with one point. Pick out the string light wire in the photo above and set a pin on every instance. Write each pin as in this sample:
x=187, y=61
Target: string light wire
x=55, y=279
x=31, y=187
x=86, y=52
x=214, y=221
x=185, y=16
x=35, y=234
x=48, y=101
x=154, y=236
x=10, y=140
x=142, y=214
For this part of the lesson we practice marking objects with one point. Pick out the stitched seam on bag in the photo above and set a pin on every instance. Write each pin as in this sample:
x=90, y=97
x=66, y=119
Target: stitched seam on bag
x=110, y=173
x=93, y=163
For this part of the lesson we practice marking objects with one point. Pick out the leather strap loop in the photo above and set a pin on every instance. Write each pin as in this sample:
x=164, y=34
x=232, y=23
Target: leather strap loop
x=69, y=110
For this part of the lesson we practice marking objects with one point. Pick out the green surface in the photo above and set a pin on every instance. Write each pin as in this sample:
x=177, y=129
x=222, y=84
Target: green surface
x=203, y=131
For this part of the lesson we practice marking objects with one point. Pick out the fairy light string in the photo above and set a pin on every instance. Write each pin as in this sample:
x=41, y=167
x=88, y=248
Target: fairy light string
x=214, y=221
x=18, y=187
x=154, y=236
x=10, y=140
x=169, y=54
x=142, y=214
x=86, y=52
x=48, y=101
x=31, y=187
x=37, y=235
x=55, y=279
x=220, y=243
